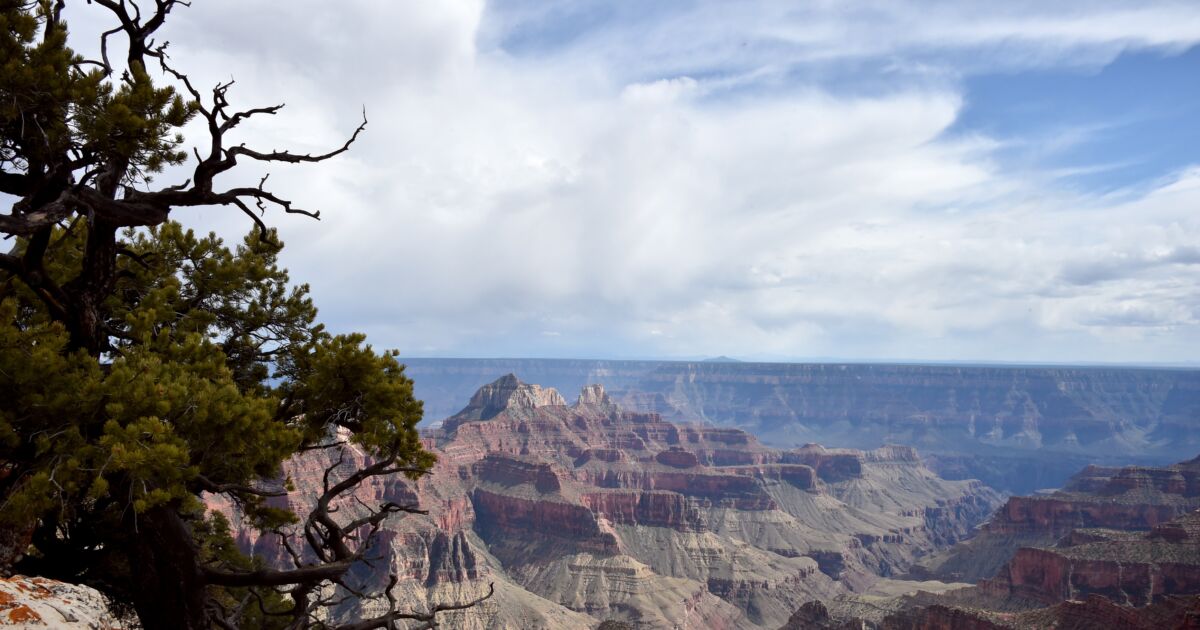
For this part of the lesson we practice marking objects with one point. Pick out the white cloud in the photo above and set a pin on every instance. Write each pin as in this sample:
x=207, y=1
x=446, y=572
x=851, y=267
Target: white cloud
x=604, y=198
x=760, y=33
x=660, y=91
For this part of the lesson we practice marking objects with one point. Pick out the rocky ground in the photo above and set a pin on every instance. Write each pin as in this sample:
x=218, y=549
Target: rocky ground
x=36, y=603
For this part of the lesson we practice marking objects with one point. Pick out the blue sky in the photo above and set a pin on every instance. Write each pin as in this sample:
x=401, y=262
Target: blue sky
x=1126, y=124
x=1112, y=119
x=898, y=180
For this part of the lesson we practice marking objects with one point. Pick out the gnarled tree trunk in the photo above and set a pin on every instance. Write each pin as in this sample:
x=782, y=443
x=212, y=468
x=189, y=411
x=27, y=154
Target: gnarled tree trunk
x=169, y=591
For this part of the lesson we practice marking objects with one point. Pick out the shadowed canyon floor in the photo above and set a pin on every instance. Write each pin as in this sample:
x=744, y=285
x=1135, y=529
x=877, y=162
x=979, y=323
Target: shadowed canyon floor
x=586, y=512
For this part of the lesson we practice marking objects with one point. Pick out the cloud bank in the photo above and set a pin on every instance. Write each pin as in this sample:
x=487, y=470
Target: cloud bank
x=608, y=180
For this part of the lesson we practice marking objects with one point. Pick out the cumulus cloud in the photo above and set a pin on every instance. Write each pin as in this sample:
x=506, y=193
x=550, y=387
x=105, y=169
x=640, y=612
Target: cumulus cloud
x=684, y=183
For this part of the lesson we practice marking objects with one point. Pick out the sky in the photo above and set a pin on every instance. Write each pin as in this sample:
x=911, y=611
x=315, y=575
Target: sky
x=837, y=180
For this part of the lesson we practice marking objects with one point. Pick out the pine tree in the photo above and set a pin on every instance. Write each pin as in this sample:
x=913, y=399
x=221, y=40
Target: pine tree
x=144, y=367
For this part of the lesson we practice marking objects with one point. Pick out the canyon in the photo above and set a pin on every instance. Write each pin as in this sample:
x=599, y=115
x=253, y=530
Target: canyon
x=589, y=514
x=586, y=512
x=1017, y=428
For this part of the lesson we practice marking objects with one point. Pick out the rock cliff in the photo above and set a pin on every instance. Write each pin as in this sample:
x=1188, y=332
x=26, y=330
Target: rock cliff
x=1091, y=579
x=1132, y=499
x=1130, y=569
x=586, y=512
x=1116, y=548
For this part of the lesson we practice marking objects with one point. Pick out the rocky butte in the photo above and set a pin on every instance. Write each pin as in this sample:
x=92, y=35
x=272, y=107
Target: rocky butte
x=585, y=512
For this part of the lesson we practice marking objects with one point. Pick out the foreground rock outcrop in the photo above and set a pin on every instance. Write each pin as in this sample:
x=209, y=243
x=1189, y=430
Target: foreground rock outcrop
x=585, y=512
x=36, y=603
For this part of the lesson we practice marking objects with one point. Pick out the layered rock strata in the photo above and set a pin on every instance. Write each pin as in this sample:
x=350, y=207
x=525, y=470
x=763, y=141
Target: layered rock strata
x=1132, y=499
x=1130, y=569
x=1116, y=548
x=582, y=513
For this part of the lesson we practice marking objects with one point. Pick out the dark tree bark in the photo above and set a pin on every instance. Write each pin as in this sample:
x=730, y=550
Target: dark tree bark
x=86, y=294
x=169, y=591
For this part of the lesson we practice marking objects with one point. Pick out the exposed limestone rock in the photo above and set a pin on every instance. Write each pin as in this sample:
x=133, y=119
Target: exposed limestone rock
x=619, y=584
x=595, y=396
x=815, y=616
x=506, y=394
x=1093, y=612
x=676, y=457
x=29, y=603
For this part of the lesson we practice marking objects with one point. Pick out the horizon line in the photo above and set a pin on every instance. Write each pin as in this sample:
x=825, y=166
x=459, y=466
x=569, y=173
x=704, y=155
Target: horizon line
x=726, y=359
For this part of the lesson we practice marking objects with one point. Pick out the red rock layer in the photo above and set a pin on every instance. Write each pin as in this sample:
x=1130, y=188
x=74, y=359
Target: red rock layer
x=1131, y=498
x=1057, y=516
x=1132, y=570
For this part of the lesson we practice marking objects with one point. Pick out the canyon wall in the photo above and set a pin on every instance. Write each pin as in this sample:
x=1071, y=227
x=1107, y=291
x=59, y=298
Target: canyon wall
x=1133, y=499
x=1016, y=428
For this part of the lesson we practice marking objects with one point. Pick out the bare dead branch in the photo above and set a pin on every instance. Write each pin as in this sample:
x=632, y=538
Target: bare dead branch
x=26, y=223
x=104, y=50
x=10, y=263
x=388, y=619
x=238, y=117
x=313, y=574
x=210, y=486
x=264, y=196
x=263, y=231
x=385, y=510
x=285, y=540
x=285, y=156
